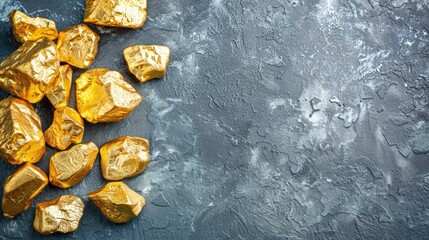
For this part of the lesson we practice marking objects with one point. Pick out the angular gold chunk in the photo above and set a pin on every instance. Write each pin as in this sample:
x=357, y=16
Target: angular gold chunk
x=118, y=202
x=116, y=13
x=147, y=62
x=67, y=128
x=21, y=188
x=68, y=168
x=21, y=135
x=27, y=28
x=104, y=96
x=61, y=214
x=78, y=46
x=58, y=92
x=28, y=71
x=124, y=157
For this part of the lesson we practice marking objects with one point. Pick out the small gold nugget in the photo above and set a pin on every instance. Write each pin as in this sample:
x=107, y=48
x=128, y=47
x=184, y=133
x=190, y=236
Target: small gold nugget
x=61, y=214
x=29, y=71
x=21, y=135
x=78, y=46
x=21, y=188
x=104, y=96
x=118, y=202
x=124, y=157
x=116, y=13
x=68, y=168
x=67, y=128
x=147, y=62
x=27, y=28
x=58, y=92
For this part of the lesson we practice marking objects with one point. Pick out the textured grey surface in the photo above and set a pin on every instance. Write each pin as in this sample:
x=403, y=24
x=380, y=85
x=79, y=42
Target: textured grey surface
x=279, y=119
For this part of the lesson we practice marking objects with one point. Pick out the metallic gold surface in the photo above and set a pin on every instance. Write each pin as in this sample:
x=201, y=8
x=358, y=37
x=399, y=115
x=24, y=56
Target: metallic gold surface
x=67, y=128
x=104, y=96
x=21, y=136
x=116, y=13
x=27, y=28
x=28, y=71
x=118, y=202
x=61, y=214
x=78, y=45
x=21, y=188
x=68, y=168
x=147, y=62
x=58, y=92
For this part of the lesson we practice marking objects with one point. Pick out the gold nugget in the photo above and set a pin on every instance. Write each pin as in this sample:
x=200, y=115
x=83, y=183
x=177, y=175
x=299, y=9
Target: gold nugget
x=61, y=214
x=68, y=168
x=28, y=71
x=27, y=28
x=78, y=45
x=21, y=136
x=118, y=202
x=104, y=96
x=58, y=92
x=116, y=13
x=147, y=62
x=124, y=157
x=21, y=188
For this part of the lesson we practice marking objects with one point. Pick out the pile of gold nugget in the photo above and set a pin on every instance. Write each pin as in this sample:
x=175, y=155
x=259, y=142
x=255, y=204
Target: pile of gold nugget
x=33, y=71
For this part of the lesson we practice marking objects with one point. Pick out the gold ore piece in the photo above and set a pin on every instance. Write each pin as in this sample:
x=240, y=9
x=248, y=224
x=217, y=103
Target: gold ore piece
x=68, y=168
x=61, y=214
x=29, y=71
x=124, y=157
x=104, y=96
x=58, y=92
x=21, y=135
x=147, y=62
x=21, y=188
x=118, y=202
x=67, y=128
x=116, y=13
x=27, y=28
x=78, y=45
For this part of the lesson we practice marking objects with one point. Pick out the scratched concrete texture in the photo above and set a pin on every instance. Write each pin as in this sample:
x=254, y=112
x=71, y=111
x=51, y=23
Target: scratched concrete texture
x=279, y=119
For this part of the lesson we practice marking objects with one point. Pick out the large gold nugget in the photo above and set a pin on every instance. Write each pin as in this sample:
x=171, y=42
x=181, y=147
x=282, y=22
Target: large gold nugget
x=67, y=128
x=124, y=157
x=27, y=28
x=58, y=92
x=68, y=168
x=21, y=135
x=21, y=188
x=78, y=45
x=104, y=96
x=61, y=214
x=118, y=202
x=28, y=71
x=116, y=13
x=147, y=62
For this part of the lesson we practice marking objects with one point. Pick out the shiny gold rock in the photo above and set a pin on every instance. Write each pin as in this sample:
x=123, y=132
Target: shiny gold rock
x=27, y=28
x=61, y=214
x=67, y=128
x=21, y=135
x=58, y=92
x=104, y=96
x=116, y=13
x=21, y=188
x=68, y=168
x=124, y=157
x=78, y=46
x=118, y=202
x=28, y=71
x=147, y=62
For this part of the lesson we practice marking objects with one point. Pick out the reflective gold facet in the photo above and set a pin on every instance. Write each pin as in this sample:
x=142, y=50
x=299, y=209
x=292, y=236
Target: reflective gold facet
x=104, y=96
x=58, y=92
x=27, y=28
x=118, y=202
x=21, y=188
x=28, y=71
x=147, y=62
x=68, y=168
x=78, y=45
x=61, y=214
x=124, y=157
x=21, y=135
